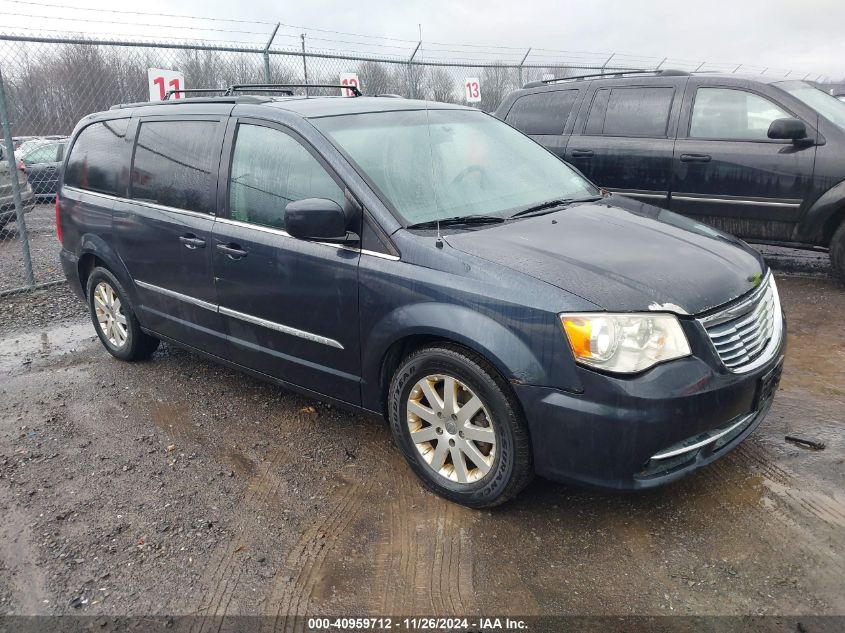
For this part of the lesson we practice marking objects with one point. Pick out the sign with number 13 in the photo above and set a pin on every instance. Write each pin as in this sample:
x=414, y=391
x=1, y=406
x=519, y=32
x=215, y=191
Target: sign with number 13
x=472, y=88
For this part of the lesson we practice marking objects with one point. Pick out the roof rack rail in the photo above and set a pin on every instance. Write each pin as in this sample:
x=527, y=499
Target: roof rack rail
x=283, y=88
x=660, y=73
x=280, y=87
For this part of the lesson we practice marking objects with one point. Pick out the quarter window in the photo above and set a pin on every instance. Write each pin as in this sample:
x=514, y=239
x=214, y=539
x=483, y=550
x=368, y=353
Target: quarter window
x=630, y=112
x=270, y=169
x=542, y=112
x=175, y=166
x=96, y=162
x=723, y=113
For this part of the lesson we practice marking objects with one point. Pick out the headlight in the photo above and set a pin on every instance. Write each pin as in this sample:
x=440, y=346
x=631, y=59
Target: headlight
x=624, y=343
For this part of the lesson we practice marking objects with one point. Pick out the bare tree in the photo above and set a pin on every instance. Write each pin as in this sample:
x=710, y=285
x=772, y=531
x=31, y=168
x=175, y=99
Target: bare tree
x=376, y=79
x=443, y=85
x=496, y=82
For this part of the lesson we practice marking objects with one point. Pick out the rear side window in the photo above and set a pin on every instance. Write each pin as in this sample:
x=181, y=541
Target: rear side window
x=722, y=113
x=271, y=169
x=542, y=112
x=96, y=162
x=174, y=164
x=630, y=112
x=43, y=154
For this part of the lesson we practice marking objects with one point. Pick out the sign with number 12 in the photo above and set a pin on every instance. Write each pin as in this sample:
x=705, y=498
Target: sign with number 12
x=162, y=80
x=472, y=88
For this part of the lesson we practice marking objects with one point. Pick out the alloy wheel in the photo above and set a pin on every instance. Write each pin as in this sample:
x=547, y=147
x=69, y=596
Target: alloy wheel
x=451, y=428
x=110, y=315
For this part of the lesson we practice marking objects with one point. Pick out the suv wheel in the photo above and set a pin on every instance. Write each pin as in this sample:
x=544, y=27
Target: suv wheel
x=114, y=319
x=460, y=427
x=837, y=252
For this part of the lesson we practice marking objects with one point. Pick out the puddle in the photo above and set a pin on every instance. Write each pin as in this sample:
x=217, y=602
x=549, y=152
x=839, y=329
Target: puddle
x=20, y=350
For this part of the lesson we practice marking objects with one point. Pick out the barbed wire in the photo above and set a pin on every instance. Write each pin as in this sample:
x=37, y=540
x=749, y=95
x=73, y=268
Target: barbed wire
x=360, y=45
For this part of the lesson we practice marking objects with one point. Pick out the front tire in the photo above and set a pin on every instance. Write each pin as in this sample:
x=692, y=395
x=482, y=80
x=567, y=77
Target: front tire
x=837, y=252
x=114, y=320
x=460, y=427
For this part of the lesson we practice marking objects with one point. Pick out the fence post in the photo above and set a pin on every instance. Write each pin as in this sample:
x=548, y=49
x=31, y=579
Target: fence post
x=267, y=54
x=304, y=64
x=9, y=151
x=524, y=57
x=412, y=86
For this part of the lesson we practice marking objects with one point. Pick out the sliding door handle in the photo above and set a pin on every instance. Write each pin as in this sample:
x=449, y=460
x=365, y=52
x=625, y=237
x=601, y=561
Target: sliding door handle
x=192, y=241
x=696, y=158
x=582, y=153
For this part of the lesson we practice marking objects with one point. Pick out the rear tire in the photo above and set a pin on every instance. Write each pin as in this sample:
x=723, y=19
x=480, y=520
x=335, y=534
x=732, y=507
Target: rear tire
x=114, y=320
x=837, y=252
x=472, y=447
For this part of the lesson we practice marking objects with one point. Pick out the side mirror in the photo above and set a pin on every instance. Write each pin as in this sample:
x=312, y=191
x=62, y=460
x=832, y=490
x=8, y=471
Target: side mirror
x=787, y=130
x=317, y=220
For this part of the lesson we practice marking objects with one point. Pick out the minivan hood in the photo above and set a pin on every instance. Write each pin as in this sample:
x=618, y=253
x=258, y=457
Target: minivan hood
x=623, y=255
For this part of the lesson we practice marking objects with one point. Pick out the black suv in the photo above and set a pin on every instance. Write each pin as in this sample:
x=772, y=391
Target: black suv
x=763, y=159
x=428, y=263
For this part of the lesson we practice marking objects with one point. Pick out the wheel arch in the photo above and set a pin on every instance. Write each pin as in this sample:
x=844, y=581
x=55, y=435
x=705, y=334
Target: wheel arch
x=823, y=217
x=433, y=323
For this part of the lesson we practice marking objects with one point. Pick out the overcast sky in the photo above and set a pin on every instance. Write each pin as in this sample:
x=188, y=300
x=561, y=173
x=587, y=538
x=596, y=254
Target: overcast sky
x=802, y=37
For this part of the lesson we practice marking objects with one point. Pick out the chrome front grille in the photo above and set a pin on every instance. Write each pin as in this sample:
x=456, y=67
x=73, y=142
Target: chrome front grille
x=747, y=332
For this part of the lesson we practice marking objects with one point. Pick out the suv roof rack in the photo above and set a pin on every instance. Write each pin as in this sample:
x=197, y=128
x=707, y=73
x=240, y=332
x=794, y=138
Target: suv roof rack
x=284, y=88
x=669, y=72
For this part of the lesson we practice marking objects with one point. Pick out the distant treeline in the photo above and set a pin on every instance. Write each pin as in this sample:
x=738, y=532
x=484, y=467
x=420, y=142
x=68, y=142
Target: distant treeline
x=50, y=87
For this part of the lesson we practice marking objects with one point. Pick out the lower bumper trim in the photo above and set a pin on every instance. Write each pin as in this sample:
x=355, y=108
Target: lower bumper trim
x=706, y=438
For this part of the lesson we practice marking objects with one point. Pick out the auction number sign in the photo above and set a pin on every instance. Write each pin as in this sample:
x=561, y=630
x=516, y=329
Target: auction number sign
x=472, y=90
x=349, y=79
x=162, y=80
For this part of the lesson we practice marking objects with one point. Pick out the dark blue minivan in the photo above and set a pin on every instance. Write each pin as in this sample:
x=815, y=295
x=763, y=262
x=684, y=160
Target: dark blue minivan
x=430, y=264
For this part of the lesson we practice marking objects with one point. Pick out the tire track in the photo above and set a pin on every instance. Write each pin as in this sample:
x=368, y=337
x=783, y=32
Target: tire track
x=308, y=555
x=220, y=585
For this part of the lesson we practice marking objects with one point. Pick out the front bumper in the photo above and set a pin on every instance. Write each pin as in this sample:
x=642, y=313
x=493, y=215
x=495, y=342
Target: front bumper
x=609, y=435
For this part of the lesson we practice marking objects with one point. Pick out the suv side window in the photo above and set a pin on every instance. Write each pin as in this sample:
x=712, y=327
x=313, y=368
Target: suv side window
x=174, y=164
x=542, y=112
x=95, y=162
x=727, y=114
x=630, y=111
x=270, y=169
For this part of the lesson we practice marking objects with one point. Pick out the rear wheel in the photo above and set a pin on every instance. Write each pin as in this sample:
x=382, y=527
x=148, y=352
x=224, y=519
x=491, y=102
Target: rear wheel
x=837, y=252
x=114, y=319
x=459, y=426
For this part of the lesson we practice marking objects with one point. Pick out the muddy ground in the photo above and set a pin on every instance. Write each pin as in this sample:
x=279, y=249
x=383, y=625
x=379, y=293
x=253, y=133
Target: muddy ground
x=175, y=486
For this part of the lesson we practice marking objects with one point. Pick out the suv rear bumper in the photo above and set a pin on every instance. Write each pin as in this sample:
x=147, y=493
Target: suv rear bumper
x=646, y=431
x=70, y=266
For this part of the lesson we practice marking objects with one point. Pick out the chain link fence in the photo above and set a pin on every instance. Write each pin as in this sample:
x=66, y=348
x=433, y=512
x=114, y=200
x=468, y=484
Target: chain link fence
x=47, y=84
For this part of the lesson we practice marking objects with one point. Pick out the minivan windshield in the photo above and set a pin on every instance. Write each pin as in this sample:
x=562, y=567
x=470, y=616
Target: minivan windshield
x=828, y=106
x=440, y=164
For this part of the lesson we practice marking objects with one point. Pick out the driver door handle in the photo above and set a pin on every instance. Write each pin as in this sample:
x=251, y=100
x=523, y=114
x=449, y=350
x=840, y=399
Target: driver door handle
x=233, y=251
x=582, y=153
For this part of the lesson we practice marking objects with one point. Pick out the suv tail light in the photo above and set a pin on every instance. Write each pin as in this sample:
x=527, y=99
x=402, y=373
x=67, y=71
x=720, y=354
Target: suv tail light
x=59, y=222
x=21, y=166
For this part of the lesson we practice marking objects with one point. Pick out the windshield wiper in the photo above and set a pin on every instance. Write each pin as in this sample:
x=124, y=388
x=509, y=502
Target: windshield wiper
x=458, y=220
x=551, y=205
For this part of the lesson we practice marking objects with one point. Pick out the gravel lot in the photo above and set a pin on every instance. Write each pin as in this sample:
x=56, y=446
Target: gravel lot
x=43, y=246
x=175, y=486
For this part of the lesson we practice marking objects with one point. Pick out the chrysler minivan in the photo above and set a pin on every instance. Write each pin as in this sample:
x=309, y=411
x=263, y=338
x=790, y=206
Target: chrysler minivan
x=427, y=263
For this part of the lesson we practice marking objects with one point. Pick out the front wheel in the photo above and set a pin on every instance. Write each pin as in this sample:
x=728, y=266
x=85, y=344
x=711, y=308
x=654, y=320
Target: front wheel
x=114, y=319
x=459, y=426
x=837, y=252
